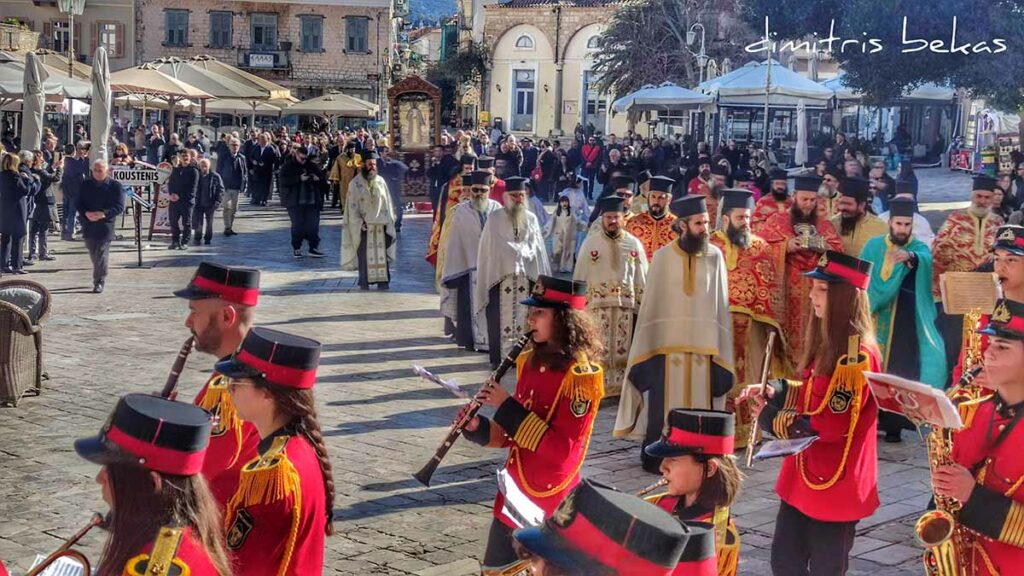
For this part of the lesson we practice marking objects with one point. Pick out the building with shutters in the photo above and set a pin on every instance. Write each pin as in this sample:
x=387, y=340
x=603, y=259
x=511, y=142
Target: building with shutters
x=107, y=22
x=310, y=46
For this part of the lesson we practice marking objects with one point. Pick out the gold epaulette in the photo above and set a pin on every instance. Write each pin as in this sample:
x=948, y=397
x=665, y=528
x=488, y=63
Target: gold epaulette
x=520, y=568
x=163, y=557
x=217, y=401
x=654, y=499
x=586, y=382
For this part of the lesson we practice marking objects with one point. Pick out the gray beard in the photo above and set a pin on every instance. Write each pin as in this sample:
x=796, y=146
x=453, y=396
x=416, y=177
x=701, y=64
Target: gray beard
x=978, y=212
x=517, y=214
x=479, y=204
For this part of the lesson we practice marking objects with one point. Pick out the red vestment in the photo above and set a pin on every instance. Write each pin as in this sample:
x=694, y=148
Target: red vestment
x=449, y=199
x=765, y=208
x=653, y=234
x=962, y=244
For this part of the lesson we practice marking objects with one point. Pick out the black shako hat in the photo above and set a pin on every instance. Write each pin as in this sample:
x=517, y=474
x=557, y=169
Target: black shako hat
x=551, y=292
x=485, y=162
x=1006, y=321
x=624, y=182
x=611, y=204
x=806, y=184
x=689, y=205
x=480, y=178
x=708, y=432
x=902, y=207
x=238, y=285
x=699, y=557
x=839, y=267
x=906, y=187
x=737, y=198
x=983, y=182
x=159, y=434
x=661, y=184
x=515, y=183
x=855, y=187
x=597, y=526
x=277, y=357
x=1009, y=237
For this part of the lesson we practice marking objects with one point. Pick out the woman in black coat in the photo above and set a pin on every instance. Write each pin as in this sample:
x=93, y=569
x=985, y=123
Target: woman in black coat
x=43, y=202
x=16, y=184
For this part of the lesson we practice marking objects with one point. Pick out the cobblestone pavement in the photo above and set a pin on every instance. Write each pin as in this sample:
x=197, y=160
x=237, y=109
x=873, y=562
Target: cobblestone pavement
x=381, y=422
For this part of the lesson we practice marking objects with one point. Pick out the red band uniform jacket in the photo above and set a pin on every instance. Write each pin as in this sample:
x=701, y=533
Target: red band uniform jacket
x=232, y=441
x=276, y=520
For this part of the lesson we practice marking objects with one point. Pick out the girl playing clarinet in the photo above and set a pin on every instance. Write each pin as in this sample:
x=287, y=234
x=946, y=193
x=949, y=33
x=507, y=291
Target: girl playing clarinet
x=546, y=425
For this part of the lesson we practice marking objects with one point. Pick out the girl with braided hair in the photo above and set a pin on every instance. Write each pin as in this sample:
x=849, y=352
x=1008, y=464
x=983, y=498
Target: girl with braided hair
x=277, y=520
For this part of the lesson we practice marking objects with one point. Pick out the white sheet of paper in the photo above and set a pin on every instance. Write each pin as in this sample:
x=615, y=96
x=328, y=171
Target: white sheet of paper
x=449, y=385
x=518, y=505
x=777, y=448
x=62, y=567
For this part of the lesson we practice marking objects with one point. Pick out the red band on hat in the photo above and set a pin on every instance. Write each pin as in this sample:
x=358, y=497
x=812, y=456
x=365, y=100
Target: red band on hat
x=158, y=458
x=1016, y=324
x=237, y=294
x=1018, y=241
x=858, y=279
x=281, y=375
x=594, y=543
x=705, y=567
x=708, y=444
x=574, y=302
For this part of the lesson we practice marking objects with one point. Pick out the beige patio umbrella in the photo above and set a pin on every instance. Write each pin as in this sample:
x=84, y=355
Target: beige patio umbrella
x=100, y=110
x=242, y=107
x=147, y=80
x=147, y=102
x=270, y=92
x=332, y=106
x=33, y=104
x=79, y=70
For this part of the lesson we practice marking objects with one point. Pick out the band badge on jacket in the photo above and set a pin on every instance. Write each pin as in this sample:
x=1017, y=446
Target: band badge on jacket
x=839, y=401
x=579, y=407
x=240, y=529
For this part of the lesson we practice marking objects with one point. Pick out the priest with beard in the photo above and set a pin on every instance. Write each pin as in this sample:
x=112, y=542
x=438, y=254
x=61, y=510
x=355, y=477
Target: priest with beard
x=777, y=201
x=754, y=286
x=901, y=305
x=510, y=258
x=963, y=244
x=654, y=227
x=798, y=238
x=459, y=275
x=614, y=266
x=451, y=195
x=368, y=240
x=681, y=355
x=855, y=223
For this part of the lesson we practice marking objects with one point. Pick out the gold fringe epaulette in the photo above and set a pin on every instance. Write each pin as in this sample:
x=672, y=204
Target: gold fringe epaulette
x=163, y=557
x=217, y=401
x=268, y=478
x=585, y=382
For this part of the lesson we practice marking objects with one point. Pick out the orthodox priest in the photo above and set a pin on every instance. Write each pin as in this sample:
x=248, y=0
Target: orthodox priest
x=368, y=243
x=451, y=193
x=900, y=298
x=497, y=184
x=777, y=201
x=442, y=245
x=754, y=301
x=510, y=257
x=799, y=238
x=681, y=356
x=963, y=244
x=614, y=266
x=854, y=222
x=458, y=279
x=654, y=227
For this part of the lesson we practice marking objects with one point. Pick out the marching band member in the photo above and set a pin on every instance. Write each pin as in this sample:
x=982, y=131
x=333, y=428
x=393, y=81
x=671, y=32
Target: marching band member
x=703, y=478
x=222, y=302
x=277, y=520
x=987, y=471
x=163, y=518
x=546, y=425
x=831, y=485
x=598, y=531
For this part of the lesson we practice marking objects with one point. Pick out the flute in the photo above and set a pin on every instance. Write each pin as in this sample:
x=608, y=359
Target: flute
x=752, y=439
x=652, y=487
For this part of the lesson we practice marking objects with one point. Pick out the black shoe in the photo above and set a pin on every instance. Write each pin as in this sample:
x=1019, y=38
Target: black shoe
x=297, y=254
x=7, y=270
x=315, y=253
x=229, y=232
x=197, y=241
x=205, y=242
x=98, y=288
x=30, y=257
x=893, y=437
x=384, y=286
x=174, y=246
x=184, y=246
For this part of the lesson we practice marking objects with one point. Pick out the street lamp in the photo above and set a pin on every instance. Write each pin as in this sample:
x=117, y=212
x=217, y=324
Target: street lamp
x=702, y=57
x=72, y=8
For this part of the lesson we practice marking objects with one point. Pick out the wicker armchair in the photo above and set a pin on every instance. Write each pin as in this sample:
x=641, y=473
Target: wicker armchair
x=21, y=345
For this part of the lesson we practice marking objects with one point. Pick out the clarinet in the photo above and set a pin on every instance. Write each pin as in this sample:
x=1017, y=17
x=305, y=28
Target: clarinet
x=170, y=390
x=428, y=470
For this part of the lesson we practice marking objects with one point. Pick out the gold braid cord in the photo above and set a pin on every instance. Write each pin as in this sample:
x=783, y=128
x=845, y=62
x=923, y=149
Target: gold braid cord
x=848, y=376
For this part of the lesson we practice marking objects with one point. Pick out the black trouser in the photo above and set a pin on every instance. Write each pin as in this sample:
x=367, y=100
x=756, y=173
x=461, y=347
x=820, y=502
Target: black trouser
x=499, y=551
x=10, y=251
x=463, y=312
x=99, y=253
x=803, y=546
x=305, y=226
x=952, y=329
x=67, y=221
x=203, y=215
x=180, y=231
x=37, y=235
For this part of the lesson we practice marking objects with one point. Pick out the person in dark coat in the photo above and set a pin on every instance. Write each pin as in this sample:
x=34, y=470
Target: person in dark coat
x=182, y=187
x=303, y=187
x=76, y=171
x=43, y=202
x=262, y=162
x=100, y=202
x=17, y=183
x=208, y=197
x=393, y=171
x=234, y=173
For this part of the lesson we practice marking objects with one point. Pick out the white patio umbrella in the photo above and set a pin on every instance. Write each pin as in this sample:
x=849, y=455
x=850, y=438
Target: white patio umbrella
x=623, y=104
x=99, y=113
x=33, y=104
x=241, y=108
x=800, y=156
x=745, y=86
x=333, y=105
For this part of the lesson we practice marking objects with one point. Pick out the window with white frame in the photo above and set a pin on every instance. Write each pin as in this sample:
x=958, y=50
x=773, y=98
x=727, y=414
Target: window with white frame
x=524, y=42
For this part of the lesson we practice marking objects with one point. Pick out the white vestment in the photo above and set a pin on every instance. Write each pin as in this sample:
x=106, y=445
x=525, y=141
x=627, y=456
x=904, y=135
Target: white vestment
x=368, y=207
x=464, y=226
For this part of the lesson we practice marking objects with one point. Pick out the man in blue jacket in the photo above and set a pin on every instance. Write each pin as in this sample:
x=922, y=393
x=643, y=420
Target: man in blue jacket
x=182, y=187
x=208, y=197
x=100, y=200
x=234, y=173
x=76, y=171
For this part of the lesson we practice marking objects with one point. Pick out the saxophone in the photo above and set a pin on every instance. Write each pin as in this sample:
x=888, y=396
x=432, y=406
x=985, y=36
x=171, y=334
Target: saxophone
x=945, y=541
x=965, y=390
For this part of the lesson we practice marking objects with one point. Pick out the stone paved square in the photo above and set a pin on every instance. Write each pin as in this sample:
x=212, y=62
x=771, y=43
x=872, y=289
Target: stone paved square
x=381, y=422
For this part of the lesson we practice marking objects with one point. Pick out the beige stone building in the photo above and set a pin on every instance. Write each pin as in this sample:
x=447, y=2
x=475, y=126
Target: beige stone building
x=107, y=22
x=311, y=47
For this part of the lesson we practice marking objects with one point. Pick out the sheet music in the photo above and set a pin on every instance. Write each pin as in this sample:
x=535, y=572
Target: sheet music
x=919, y=402
x=449, y=385
x=518, y=506
x=963, y=292
x=62, y=567
x=777, y=448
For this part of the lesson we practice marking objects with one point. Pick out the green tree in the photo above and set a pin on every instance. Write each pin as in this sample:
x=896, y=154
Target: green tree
x=884, y=75
x=464, y=66
x=646, y=42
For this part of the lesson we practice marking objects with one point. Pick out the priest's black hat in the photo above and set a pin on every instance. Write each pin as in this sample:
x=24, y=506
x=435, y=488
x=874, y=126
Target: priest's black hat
x=643, y=177
x=902, y=207
x=742, y=176
x=689, y=205
x=480, y=178
x=807, y=184
x=369, y=155
x=623, y=181
x=515, y=183
x=661, y=184
x=906, y=187
x=983, y=182
x=485, y=162
x=720, y=170
x=611, y=204
x=857, y=188
x=468, y=160
x=551, y=292
x=737, y=198
x=467, y=180
x=836, y=172
x=1010, y=238
x=778, y=174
